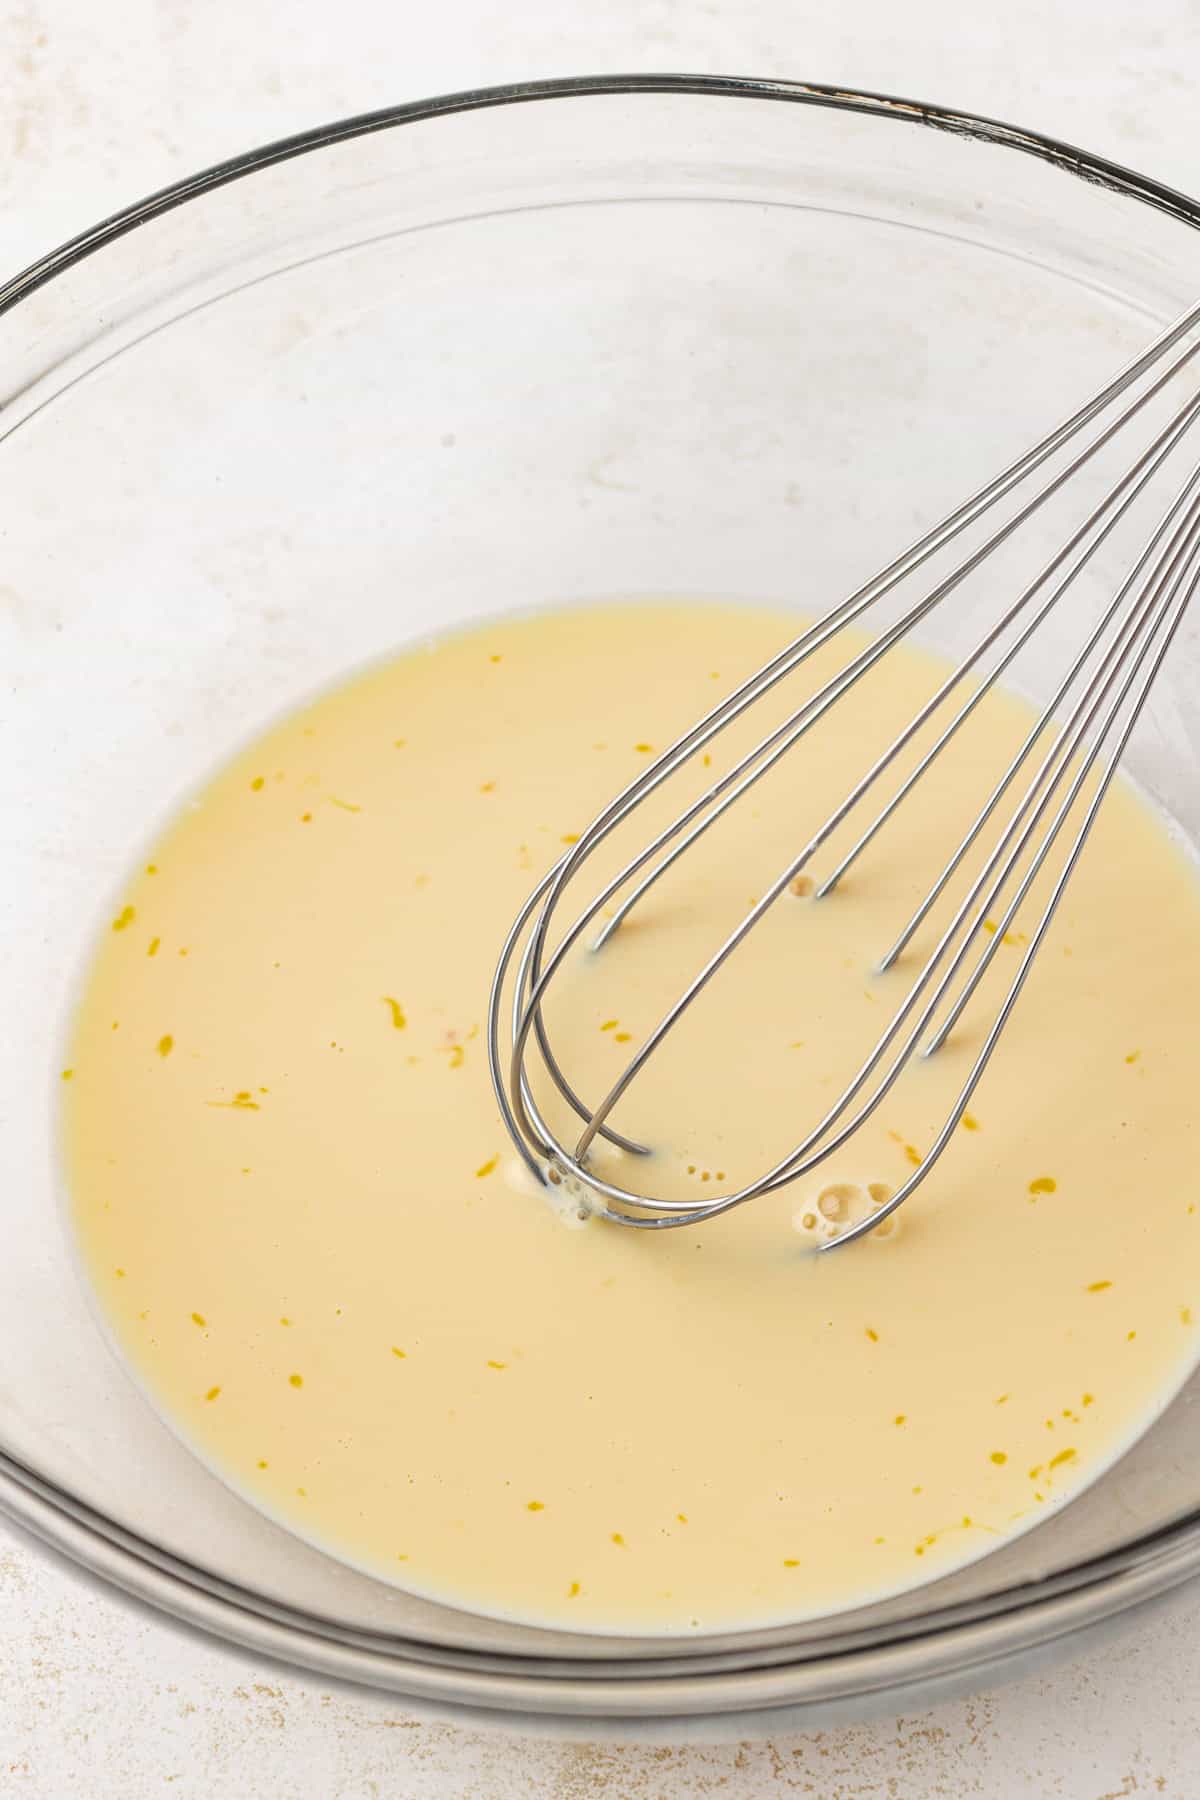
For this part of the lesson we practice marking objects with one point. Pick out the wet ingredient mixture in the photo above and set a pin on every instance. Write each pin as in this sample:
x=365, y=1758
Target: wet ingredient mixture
x=301, y=1216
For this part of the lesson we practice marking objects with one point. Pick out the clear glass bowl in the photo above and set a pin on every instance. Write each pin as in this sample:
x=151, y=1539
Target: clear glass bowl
x=656, y=334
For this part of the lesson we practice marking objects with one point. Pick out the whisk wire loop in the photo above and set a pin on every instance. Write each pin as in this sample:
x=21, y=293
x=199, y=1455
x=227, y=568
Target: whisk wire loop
x=1105, y=686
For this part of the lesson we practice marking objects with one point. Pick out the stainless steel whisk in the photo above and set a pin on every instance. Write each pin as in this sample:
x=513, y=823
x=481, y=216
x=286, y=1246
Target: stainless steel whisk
x=1103, y=690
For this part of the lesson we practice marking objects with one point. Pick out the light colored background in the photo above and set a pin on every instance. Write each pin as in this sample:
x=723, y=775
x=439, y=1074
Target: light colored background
x=102, y=100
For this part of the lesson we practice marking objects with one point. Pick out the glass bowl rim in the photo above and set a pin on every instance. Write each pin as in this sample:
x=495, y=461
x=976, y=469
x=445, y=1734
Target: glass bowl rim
x=1085, y=165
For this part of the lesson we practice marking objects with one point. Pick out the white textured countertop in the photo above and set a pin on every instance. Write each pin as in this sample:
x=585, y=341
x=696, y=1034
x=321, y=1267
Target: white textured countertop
x=100, y=102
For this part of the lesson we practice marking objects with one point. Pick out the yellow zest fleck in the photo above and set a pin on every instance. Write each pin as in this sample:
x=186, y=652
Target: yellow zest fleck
x=262, y=1463
x=243, y=1101
x=399, y=743
x=495, y=657
x=496, y=1365
x=295, y=1381
x=152, y=868
x=534, y=1506
x=801, y=886
x=1043, y=1184
x=1129, y=1336
x=152, y=947
x=199, y=1319
x=610, y=1024
x=872, y=1334
x=306, y=818
x=1035, y=1471
x=1000, y=1399
x=397, y=1011
x=706, y=759
x=68, y=1074
x=618, y=1539
x=999, y=1457
x=1133, y=1056
x=487, y=787
x=456, y=1053
x=166, y=1044
x=212, y=1393
x=1064, y=1456
x=621, y=1037
x=572, y=1590
x=913, y=1155
x=791, y=1562
x=396, y=1351
x=346, y=805
x=303, y=1493
x=682, y=1517
x=899, y=1418
x=1185, y=1315
x=989, y=925
x=258, y=783
x=1087, y=1400
x=120, y=1274
x=970, y=1122
x=570, y=837
x=1097, y=1287
x=645, y=749
x=125, y=917
x=285, y=1321
x=486, y=1168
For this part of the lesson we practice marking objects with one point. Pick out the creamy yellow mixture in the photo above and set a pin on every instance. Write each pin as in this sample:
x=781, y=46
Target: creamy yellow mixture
x=299, y=1210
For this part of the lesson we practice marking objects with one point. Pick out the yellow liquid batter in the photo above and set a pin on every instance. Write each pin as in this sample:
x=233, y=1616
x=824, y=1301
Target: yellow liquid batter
x=297, y=1205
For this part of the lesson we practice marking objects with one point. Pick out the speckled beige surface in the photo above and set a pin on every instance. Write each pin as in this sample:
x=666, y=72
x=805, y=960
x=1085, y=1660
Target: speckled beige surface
x=99, y=103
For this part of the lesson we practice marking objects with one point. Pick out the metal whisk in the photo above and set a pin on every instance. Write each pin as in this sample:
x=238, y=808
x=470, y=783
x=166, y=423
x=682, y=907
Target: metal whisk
x=1101, y=693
